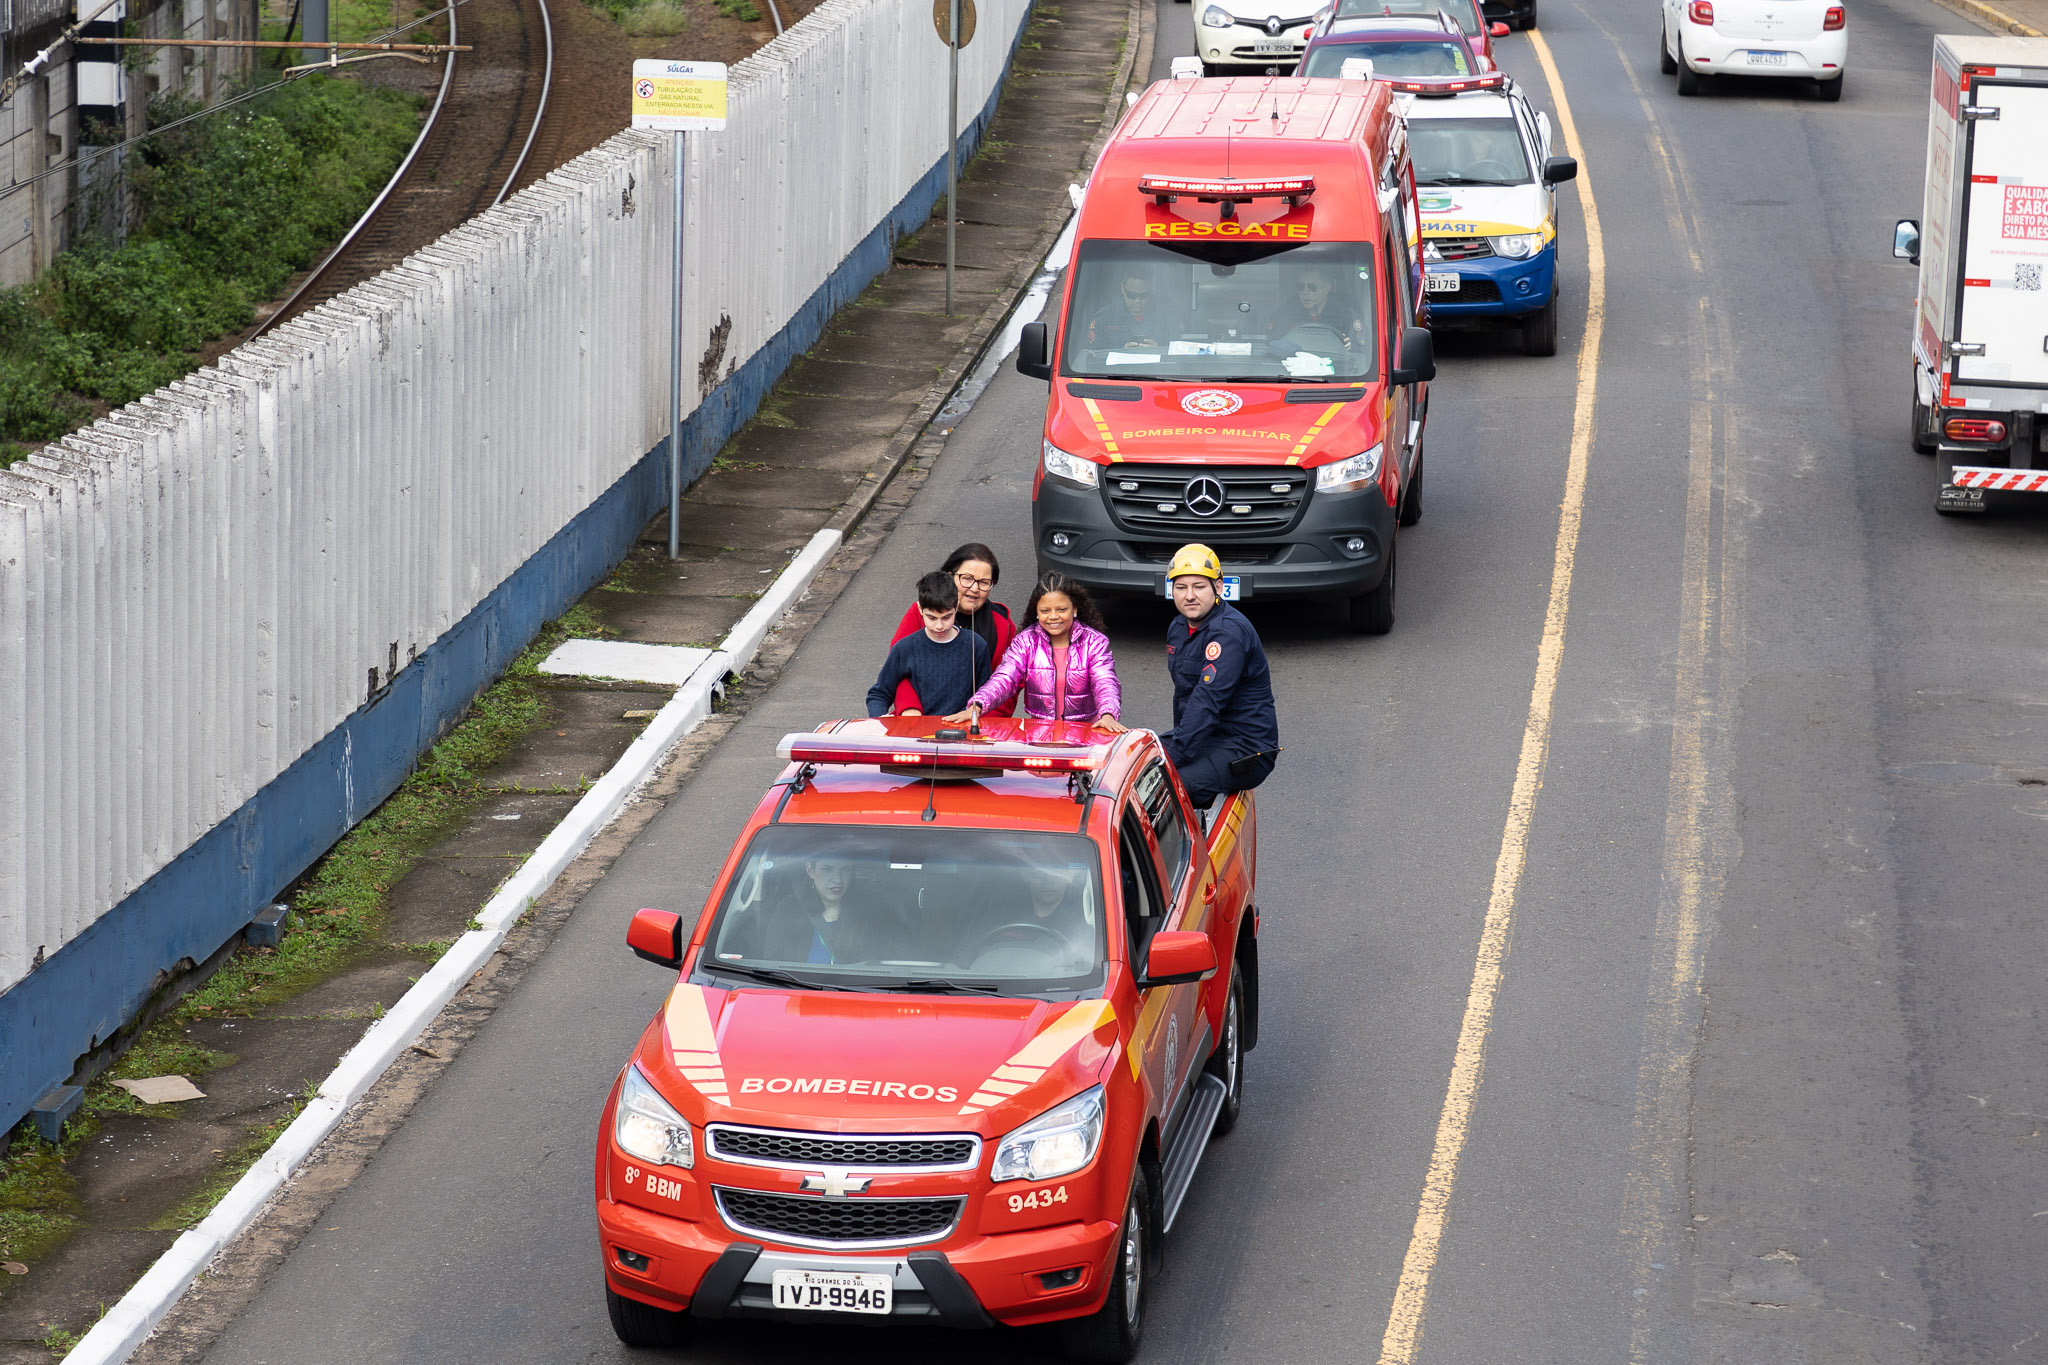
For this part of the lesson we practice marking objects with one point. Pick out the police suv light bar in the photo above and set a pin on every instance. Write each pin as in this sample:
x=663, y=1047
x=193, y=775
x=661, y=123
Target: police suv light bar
x=1452, y=85
x=1187, y=68
x=895, y=751
x=1167, y=188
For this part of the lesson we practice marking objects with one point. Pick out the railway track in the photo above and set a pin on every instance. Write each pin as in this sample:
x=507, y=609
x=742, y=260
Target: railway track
x=486, y=135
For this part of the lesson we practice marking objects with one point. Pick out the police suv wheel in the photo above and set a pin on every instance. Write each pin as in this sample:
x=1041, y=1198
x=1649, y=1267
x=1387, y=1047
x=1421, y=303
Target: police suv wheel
x=1226, y=1063
x=1539, y=330
x=639, y=1324
x=1113, y=1332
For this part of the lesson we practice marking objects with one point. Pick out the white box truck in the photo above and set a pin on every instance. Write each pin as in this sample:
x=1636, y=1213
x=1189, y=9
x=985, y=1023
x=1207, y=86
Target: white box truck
x=1980, y=334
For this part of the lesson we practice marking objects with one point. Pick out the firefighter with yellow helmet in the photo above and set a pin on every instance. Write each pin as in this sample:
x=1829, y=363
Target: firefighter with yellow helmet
x=1226, y=733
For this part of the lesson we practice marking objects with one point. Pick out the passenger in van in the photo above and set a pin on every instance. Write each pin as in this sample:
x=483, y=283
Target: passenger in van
x=830, y=914
x=1317, y=301
x=1135, y=317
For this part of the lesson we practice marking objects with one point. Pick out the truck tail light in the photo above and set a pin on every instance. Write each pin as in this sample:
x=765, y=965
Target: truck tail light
x=1837, y=18
x=1701, y=12
x=1982, y=430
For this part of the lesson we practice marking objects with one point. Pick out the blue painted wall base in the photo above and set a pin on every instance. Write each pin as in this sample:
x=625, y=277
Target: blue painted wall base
x=92, y=986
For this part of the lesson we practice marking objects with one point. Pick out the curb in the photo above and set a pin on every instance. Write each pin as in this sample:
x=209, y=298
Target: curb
x=1991, y=17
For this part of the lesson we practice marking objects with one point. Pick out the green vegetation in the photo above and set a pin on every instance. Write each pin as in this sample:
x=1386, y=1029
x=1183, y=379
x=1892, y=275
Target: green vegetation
x=233, y=1165
x=655, y=19
x=228, y=208
x=746, y=11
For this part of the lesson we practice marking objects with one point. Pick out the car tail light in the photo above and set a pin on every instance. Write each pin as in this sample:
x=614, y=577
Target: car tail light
x=1701, y=12
x=1837, y=18
x=1980, y=429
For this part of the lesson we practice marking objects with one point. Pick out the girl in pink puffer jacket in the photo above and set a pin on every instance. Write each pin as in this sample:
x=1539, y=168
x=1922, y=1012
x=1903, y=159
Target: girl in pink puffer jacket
x=1062, y=662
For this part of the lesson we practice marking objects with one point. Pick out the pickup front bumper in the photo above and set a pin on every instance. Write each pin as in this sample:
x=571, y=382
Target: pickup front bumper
x=1493, y=288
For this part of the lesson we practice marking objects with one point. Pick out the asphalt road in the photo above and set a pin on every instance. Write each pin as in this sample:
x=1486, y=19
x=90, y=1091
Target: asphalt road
x=1765, y=1077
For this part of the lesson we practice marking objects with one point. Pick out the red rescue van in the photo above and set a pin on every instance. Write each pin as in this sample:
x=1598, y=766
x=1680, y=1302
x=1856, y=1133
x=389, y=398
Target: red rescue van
x=1239, y=357
x=951, y=1036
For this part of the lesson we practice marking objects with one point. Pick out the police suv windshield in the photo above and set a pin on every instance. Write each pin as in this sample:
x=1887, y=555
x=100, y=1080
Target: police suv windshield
x=1393, y=58
x=1460, y=11
x=1214, y=311
x=1468, y=151
x=982, y=912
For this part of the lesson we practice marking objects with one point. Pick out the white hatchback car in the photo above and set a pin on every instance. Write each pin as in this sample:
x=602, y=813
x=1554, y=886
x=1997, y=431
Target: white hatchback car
x=1808, y=39
x=1256, y=35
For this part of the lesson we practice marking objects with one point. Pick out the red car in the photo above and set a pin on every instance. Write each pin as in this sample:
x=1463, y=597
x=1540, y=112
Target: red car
x=1465, y=15
x=952, y=1032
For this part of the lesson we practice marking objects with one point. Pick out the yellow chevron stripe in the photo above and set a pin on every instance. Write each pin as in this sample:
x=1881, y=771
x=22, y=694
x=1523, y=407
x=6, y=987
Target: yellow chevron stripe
x=1034, y=1057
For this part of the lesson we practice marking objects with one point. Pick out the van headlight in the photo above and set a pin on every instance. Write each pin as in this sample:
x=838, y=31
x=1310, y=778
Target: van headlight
x=1072, y=468
x=1217, y=17
x=1058, y=1142
x=1517, y=246
x=646, y=1126
x=1348, y=476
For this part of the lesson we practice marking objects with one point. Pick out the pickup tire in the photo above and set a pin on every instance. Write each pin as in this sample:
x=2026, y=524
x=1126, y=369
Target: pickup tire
x=1539, y=330
x=642, y=1325
x=1114, y=1331
x=1372, y=613
x=1226, y=1063
x=1665, y=63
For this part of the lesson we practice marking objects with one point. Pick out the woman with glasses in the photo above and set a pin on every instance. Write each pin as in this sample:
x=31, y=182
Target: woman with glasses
x=975, y=574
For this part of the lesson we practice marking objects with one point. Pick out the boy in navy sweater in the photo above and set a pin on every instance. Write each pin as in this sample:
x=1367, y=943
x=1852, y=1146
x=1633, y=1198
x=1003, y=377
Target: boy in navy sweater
x=942, y=661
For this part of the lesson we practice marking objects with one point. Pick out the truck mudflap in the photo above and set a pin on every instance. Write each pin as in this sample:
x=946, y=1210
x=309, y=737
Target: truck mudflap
x=1969, y=489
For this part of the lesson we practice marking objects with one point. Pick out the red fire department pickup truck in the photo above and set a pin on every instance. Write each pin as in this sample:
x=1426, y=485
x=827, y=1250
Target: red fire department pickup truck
x=1241, y=357
x=952, y=1033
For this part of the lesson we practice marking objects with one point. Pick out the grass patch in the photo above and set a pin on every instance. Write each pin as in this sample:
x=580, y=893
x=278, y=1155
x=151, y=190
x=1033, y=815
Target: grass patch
x=233, y=1164
x=340, y=902
x=38, y=1198
x=746, y=11
x=721, y=465
x=655, y=19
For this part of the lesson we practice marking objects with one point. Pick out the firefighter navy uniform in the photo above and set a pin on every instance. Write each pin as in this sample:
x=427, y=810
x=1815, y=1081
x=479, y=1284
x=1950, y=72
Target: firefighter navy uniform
x=1226, y=732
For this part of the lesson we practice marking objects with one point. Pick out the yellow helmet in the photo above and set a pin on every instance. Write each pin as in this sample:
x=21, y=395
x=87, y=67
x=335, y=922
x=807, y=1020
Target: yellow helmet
x=1195, y=559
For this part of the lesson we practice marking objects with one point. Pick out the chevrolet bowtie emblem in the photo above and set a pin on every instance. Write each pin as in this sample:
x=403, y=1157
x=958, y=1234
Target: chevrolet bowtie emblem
x=835, y=1184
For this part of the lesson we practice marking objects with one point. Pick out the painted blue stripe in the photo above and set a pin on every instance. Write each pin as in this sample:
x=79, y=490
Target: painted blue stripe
x=96, y=983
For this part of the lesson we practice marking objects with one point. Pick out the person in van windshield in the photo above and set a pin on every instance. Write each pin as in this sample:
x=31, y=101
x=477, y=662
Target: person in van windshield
x=830, y=913
x=941, y=661
x=975, y=573
x=1135, y=316
x=1318, y=301
x=1062, y=662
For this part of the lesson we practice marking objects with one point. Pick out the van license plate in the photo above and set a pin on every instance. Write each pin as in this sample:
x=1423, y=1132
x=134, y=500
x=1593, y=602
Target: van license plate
x=832, y=1291
x=1440, y=284
x=1228, y=588
x=1273, y=49
x=1766, y=59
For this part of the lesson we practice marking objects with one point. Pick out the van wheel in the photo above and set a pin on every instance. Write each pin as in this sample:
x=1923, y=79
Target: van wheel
x=1372, y=613
x=1226, y=1063
x=1539, y=330
x=1664, y=62
x=639, y=1324
x=1411, y=501
x=1112, y=1332
x=1690, y=82
x=1830, y=91
x=1924, y=439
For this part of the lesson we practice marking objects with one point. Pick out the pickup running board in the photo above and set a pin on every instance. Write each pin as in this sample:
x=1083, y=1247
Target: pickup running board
x=1188, y=1145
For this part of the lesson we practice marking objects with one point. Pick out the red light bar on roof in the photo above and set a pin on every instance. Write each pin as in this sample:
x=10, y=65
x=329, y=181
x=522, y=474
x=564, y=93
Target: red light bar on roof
x=1452, y=85
x=1292, y=188
x=896, y=751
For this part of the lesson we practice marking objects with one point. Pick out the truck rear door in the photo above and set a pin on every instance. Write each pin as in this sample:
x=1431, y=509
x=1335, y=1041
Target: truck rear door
x=2005, y=237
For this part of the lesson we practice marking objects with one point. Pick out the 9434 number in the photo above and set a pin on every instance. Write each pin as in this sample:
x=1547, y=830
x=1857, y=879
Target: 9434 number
x=1038, y=1199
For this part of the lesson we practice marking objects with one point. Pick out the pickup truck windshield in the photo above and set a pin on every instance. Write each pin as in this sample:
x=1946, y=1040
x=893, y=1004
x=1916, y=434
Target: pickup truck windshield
x=930, y=910
x=1468, y=151
x=1463, y=12
x=1213, y=311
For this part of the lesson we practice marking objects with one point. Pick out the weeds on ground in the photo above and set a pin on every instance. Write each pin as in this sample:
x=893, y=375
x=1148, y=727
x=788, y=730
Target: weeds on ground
x=655, y=19
x=233, y=1165
x=746, y=11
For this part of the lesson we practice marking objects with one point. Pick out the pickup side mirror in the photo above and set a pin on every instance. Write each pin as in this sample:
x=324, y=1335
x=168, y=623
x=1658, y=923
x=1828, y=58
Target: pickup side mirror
x=1178, y=957
x=1417, y=359
x=1906, y=240
x=1497, y=29
x=1558, y=169
x=657, y=936
x=1034, y=352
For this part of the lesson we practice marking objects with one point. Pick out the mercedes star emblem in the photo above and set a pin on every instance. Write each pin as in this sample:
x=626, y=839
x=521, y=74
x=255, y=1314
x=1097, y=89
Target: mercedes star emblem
x=1203, y=496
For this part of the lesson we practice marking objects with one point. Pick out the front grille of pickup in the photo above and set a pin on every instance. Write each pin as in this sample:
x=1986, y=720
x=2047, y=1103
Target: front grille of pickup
x=1183, y=500
x=1460, y=248
x=818, y=1220
x=768, y=1147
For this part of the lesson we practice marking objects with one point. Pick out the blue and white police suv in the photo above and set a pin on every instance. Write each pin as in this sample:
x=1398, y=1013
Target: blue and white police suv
x=1488, y=194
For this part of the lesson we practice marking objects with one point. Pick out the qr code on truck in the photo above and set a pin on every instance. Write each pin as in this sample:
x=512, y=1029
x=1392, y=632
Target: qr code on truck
x=2027, y=277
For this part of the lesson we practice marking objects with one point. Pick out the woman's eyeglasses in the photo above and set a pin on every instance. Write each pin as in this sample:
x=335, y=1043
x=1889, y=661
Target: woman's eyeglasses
x=970, y=581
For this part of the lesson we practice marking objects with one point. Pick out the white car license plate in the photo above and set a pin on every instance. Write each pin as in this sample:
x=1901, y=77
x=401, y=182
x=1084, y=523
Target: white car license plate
x=1766, y=59
x=1440, y=284
x=1227, y=588
x=1273, y=49
x=833, y=1291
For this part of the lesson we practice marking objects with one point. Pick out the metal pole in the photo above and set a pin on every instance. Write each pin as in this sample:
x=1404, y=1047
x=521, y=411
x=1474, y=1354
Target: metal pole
x=952, y=144
x=313, y=20
x=675, y=378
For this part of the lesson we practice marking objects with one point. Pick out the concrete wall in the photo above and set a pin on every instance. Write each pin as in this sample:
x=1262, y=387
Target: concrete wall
x=233, y=613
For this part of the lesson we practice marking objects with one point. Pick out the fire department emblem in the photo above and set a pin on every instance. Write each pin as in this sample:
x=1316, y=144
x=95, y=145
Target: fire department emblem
x=1215, y=648
x=1210, y=403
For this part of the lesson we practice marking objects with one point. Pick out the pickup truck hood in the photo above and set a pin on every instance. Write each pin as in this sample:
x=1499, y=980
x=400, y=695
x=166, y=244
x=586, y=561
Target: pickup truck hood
x=1185, y=423
x=872, y=1062
x=1483, y=210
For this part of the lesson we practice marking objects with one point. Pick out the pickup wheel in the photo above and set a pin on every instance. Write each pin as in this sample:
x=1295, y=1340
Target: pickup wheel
x=1113, y=1332
x=1372, y=613
x=1539, y=330
x=1226, y=1063
x=639, y=1324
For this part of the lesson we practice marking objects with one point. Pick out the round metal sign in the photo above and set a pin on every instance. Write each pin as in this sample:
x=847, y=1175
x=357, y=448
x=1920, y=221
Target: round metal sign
x=942, y=20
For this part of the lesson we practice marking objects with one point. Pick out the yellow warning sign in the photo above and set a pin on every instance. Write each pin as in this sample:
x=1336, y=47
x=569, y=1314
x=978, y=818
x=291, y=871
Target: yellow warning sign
x=684, y=97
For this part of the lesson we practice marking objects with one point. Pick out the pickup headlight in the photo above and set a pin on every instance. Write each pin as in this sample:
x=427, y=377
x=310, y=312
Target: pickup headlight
x=647, y=1127
x=1058, y=1142
x=1072, y=468
x=1348, y=476
x=1217, y=17
x=1517, y=246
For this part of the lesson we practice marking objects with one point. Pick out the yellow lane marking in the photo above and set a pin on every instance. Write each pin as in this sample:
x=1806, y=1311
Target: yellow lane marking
x=1411, y=1297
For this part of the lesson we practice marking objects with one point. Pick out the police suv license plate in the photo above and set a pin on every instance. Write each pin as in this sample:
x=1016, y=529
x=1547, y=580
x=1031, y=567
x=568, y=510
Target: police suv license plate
x=1446, y=283
x=833, y=1291
x=1766, y=59
x=1227, y=588
x=1273, y=49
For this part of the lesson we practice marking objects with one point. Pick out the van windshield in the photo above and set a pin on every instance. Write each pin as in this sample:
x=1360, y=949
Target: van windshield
x=931, y=911
x=1222, y=311
x=1468, y=151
